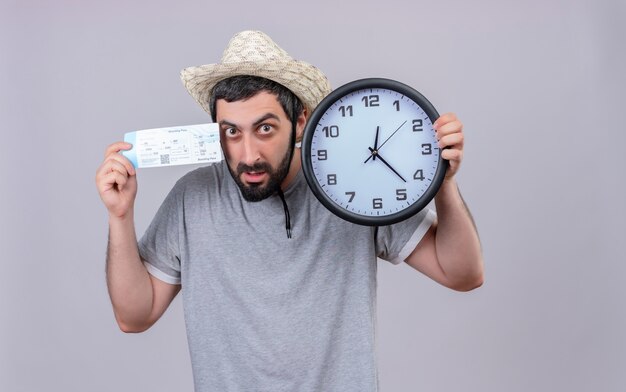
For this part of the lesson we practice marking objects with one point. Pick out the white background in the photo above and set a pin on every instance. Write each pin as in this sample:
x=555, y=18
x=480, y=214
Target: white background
x=538, y=84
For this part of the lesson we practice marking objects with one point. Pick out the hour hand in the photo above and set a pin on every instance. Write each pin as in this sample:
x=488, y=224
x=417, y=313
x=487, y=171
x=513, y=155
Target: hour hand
x=376, y=143
x=375, y=153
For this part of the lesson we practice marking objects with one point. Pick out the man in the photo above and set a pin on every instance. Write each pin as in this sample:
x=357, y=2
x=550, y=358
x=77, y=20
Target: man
x=267, y=310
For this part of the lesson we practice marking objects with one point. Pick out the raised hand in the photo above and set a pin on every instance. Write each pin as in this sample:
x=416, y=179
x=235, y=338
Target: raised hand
x=449, y=131
x=116, y=181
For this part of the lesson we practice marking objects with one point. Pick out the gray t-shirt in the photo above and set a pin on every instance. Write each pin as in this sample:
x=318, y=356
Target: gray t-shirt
x=264, y=312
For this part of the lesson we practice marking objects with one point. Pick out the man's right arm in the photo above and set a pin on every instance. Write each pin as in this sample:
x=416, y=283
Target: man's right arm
x=137, y=297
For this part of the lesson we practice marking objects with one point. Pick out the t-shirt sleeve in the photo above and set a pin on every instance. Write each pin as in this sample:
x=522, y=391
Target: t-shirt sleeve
x=395, y=243
x=159, y=246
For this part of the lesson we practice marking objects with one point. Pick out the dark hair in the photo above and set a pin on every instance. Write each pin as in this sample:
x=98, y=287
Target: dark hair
x=241, y=87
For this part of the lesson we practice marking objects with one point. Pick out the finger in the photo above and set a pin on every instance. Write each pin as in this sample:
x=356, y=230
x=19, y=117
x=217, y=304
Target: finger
x=454, y=126
x=117, y=147
x=453, y=168
x=113, y=164
x=120, y=179
x=452, y=154
x=111, y=179
x=455, y=140
x=117, y=157
x=443, y=119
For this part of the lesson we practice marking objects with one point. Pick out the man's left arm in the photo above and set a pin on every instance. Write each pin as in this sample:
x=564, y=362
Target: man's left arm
x=450, y=251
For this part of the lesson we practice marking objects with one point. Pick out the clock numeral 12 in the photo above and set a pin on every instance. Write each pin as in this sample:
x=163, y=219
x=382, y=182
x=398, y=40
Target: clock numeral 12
x=377, y=203
x=344, y=109
x=370, y=100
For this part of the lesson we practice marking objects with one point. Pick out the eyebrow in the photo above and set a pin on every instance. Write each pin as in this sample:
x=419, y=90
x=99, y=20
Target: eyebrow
x=260, y=120
x=266, y=117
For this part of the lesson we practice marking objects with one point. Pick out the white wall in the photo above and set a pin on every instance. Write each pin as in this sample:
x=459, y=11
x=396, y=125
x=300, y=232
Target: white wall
x=538, y=85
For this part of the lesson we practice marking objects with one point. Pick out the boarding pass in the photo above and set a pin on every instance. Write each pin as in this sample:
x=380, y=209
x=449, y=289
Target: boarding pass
x=172, y=146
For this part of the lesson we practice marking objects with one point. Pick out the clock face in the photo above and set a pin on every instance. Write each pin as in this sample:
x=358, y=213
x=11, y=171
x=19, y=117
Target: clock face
x=370, y=153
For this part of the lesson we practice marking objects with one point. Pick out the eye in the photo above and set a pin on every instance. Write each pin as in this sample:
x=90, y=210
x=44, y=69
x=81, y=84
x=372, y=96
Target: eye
x=230, y=132
x=265, y=128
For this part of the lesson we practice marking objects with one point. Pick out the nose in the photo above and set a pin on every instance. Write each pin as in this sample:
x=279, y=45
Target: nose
x=251, y=152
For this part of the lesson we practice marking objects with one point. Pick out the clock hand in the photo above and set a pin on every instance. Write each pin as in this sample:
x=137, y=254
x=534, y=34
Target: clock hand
x=376, y=142
x=394, y=132
x=386, y=140
x=374, y=152
x=373, y=155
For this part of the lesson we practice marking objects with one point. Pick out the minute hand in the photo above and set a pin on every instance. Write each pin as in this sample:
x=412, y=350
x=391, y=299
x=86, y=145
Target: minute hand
x=381, y=146
x=386, y=164
x=394, y=132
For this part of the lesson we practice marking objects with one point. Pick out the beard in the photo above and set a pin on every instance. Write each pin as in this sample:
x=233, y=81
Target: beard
x=257, y=192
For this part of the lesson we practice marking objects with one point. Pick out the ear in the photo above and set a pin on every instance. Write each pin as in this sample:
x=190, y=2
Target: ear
x=301, y=122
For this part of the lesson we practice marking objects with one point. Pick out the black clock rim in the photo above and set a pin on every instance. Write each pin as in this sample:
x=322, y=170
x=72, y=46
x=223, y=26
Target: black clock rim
x=307, y=165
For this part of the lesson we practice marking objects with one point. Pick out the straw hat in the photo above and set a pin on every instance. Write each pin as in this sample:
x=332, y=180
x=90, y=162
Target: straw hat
x=254, y=53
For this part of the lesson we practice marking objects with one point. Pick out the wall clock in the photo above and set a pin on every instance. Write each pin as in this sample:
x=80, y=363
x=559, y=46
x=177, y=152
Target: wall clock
x=370, y=154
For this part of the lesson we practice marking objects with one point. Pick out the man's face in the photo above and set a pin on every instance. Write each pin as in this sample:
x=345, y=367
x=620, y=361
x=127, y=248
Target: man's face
x=256, y=138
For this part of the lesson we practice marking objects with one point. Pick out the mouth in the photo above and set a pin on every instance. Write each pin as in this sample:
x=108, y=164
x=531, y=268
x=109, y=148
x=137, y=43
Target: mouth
x=253, y=177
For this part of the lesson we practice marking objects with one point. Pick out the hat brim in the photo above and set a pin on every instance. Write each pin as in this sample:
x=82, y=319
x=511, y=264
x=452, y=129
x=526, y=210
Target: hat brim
x=306, y=81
